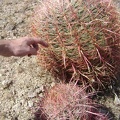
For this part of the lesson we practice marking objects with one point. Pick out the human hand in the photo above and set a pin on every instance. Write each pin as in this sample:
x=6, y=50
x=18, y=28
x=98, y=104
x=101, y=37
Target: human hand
x=25, y=46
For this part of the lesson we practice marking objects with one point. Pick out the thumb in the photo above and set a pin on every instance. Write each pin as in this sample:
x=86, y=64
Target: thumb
x=32, y=51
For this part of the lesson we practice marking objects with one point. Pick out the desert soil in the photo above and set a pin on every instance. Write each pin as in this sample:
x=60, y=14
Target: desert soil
x=22, y=80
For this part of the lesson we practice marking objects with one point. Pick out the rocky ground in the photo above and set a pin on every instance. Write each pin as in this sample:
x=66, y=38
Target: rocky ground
x=21, y=79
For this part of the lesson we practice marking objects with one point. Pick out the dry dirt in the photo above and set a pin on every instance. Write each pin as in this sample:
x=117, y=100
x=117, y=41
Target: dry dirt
x=21, y=79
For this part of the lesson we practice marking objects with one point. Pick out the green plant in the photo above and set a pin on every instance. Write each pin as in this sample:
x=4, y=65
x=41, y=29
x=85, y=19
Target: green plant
x=83, y=38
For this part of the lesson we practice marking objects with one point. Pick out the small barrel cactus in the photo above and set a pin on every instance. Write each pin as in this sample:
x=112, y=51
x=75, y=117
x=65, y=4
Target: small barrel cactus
x=83, y=38
x=68, y=102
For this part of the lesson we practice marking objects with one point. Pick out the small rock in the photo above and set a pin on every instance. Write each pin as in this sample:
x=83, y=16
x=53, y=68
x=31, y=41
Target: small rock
x=6, y=83
x=52, y=84
x=10, y=26
x=26, y=105
x=20, y=69
x=39, y=90
x=22, y=102
x=32, y=94
x=0, y=75
x=116, y=100
x=21, y=93
x=16, y=106
x=30, y=103
x=41, y=95
x=15, y=117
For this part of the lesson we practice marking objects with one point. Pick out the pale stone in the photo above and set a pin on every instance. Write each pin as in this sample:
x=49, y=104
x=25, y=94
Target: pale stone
x=30, y=104
x=6, y=83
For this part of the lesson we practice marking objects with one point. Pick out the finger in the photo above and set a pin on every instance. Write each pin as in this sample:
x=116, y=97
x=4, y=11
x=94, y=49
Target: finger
x=36, y=41
x=32, y=51
x=35, y=46
x=43, y=43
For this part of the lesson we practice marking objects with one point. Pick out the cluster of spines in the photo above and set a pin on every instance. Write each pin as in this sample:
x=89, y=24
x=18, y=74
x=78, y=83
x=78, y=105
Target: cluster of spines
x=68, y=102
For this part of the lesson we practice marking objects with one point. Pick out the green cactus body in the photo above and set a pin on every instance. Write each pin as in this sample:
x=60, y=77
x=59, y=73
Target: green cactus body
x=83, y=38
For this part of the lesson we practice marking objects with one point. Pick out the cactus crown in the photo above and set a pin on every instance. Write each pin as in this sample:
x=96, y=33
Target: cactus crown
x=83, y=38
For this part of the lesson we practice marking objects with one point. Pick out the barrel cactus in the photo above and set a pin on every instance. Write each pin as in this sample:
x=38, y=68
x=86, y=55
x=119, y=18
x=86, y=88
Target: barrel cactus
x=68, y=102
x=83, y=38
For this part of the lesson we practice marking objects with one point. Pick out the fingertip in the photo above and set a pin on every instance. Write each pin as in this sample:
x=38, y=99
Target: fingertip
x=43, y=43
x=37, y=41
